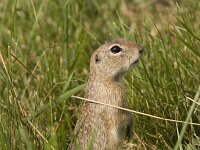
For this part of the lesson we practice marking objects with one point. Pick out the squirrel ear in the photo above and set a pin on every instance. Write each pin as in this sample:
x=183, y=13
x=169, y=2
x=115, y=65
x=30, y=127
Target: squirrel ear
x=97, y=59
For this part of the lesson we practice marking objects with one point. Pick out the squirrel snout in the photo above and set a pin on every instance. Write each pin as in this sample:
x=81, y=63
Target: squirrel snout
x=140, y=48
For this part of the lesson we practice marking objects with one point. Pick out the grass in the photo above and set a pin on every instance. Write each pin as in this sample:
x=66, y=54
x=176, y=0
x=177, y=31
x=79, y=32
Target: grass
x=45, y=47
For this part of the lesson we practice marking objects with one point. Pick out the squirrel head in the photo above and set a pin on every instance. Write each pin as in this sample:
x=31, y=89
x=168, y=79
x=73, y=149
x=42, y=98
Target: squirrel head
x=113, y=59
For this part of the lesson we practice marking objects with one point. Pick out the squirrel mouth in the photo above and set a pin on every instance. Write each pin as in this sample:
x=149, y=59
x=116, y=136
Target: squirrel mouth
x=135, y=62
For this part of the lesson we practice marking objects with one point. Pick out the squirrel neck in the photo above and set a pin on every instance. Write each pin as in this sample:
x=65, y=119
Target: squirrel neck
x=108, y=91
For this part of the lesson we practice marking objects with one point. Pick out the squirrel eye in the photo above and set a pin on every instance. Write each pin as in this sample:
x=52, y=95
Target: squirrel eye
x=116, y=49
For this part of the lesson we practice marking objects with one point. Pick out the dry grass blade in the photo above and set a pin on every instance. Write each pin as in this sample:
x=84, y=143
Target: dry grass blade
x=136, y=112
x=40, y=134
x=197, y=102
x=4, y=65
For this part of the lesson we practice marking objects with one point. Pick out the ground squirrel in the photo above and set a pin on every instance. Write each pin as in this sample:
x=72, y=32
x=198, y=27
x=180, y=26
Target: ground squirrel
x=101, y=127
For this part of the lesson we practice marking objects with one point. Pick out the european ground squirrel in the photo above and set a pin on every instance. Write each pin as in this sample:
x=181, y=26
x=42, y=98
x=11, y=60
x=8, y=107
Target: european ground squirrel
x=101, y=127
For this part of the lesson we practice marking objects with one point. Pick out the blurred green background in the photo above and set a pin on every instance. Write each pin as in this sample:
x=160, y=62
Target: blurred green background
x=45, y=48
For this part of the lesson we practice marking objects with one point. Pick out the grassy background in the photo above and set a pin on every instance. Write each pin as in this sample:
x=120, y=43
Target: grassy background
x=45, y=47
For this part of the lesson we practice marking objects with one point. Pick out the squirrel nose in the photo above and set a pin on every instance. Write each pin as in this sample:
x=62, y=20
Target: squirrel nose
x=140, y=48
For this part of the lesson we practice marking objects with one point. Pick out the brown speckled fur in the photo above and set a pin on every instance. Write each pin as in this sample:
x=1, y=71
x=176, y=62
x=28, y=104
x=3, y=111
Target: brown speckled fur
x=100, y=125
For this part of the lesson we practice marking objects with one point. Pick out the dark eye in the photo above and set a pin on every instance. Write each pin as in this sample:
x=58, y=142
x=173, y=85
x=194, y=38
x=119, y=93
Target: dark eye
x=116, y=49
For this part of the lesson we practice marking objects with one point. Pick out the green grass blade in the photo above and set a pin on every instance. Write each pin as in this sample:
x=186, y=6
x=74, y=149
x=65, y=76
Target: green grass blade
x=187, y=28
x=188, y=118
x=61, y=99
x=194, y=51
